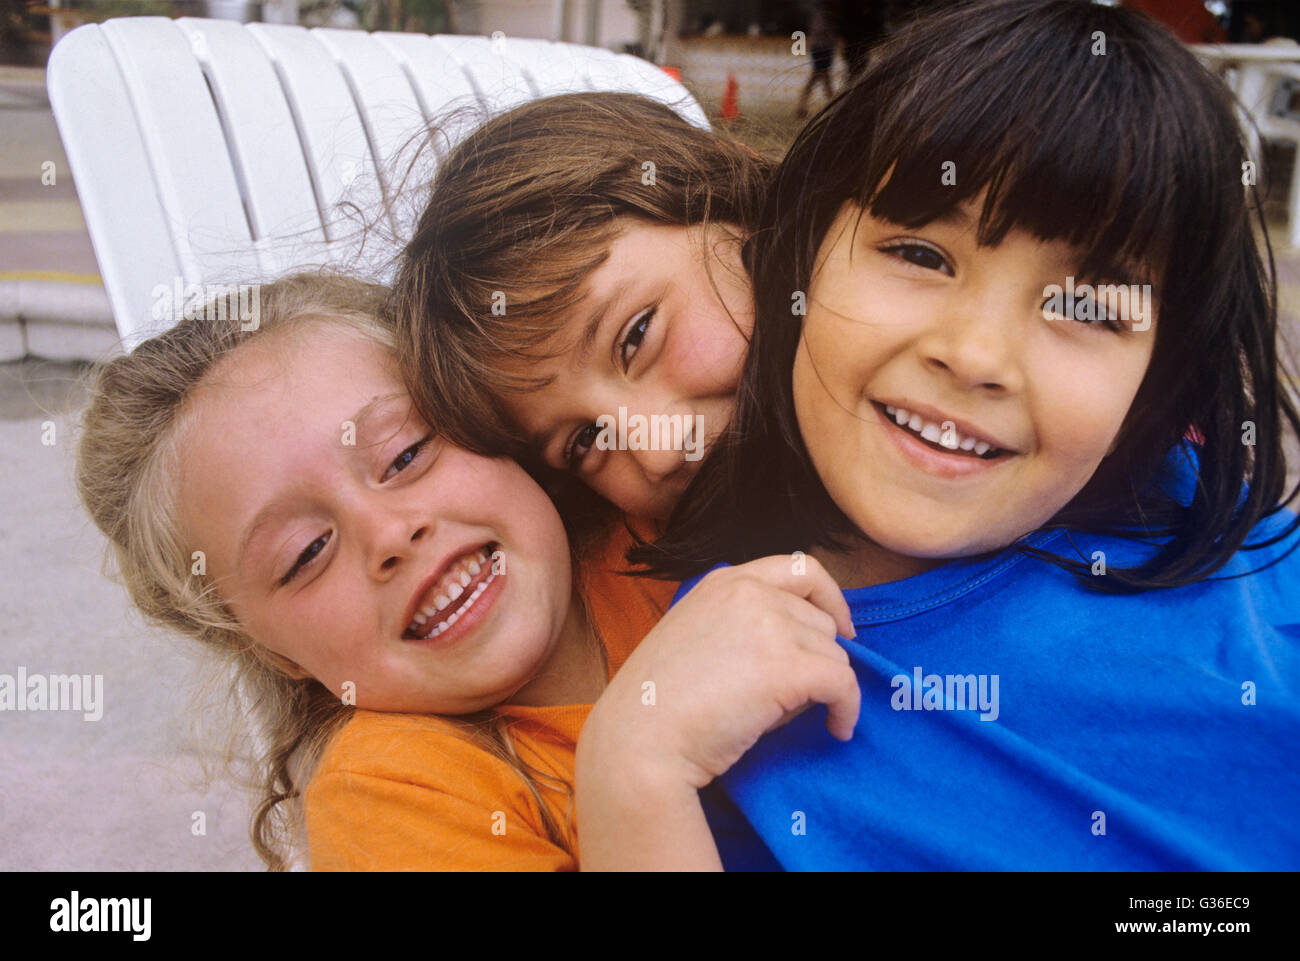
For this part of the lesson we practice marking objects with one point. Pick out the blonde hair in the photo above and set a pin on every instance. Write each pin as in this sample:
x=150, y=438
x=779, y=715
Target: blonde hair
x=126, y=466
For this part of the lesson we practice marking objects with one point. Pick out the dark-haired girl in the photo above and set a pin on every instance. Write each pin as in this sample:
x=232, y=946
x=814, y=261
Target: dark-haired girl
x=1014, y=383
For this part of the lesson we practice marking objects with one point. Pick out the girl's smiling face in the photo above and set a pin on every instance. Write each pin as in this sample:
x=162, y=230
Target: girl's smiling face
x=925, y=325
x=656, y=339
x=332, y=520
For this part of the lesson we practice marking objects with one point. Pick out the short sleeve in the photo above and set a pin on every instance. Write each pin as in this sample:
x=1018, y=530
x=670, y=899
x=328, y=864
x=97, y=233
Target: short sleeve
x=420, y=801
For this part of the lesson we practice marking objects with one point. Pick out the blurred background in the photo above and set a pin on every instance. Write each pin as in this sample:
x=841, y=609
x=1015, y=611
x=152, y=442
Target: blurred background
x=121, y=793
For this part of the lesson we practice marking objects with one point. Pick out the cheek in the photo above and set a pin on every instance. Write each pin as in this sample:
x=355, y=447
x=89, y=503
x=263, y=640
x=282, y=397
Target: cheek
x=522, y=512
x=835, y=362
x=815, y=411
x=327, y=635
x=1087, y=406
x=704, y=357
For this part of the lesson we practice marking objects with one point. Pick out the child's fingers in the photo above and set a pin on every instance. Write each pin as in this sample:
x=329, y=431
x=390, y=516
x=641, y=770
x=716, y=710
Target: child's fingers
x=824, y=681
x=806, y=578
x=813, y=629
x=840, y=692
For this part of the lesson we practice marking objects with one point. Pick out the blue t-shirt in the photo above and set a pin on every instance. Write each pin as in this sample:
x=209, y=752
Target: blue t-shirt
x=1013, y=720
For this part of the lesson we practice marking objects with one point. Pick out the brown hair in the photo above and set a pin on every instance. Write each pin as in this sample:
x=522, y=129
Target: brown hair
x=518, y=214
x=126, y=463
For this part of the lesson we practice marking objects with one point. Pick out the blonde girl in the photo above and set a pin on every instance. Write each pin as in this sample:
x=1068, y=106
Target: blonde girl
x=402, y=615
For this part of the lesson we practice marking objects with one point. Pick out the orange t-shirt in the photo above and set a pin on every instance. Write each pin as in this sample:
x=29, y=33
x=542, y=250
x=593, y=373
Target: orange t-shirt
x=410, y=792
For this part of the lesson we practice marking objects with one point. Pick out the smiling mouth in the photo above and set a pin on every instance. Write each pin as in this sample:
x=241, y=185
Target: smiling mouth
x=943, y=437
x=453, y=595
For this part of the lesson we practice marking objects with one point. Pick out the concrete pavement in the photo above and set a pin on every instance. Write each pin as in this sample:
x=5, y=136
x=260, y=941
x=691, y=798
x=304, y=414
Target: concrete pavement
x=52, y=302
x=118, y=793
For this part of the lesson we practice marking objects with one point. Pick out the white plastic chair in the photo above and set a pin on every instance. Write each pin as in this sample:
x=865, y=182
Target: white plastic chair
x=207, y=152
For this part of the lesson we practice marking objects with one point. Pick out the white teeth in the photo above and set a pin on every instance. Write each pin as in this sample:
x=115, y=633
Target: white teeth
x=453, y=585
x=455, y=615
x=934, y=433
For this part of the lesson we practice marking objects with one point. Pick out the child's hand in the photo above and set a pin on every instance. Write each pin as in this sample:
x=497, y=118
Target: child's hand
x=744, y=652
x=747, y=650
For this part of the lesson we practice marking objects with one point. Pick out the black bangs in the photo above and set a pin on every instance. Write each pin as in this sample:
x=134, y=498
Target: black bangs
x=1073, y=122
x=1079, y=127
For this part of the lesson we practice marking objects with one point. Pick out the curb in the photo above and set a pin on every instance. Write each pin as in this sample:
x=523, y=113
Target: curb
x=59, y=319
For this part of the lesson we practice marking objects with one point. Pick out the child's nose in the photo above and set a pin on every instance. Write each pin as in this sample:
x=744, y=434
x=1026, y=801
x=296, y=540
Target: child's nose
x=657, y=465
x=977, y=347
x=393, y=538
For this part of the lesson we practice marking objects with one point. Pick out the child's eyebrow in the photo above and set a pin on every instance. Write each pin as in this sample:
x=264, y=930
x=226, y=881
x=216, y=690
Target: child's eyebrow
x=267, y=513
x=954, y=217
x=368, y=410
x=1121, y=273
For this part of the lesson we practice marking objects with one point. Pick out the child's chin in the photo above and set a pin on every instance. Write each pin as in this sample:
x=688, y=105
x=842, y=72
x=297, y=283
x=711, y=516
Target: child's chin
x=938, y=545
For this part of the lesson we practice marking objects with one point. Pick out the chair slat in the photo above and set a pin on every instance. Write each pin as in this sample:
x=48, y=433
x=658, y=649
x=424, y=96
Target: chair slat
x=115, y=185
x=500, y=82
x=645, y=78
x=337, y=150
x=450, y=107
x=389, y=108
x=549, y=65
x=439, y=83
x=187, y=150
x=606, y=70
x=264, y=145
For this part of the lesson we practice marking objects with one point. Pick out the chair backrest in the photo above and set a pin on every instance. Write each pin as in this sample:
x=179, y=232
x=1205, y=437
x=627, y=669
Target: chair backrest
x=207, y=152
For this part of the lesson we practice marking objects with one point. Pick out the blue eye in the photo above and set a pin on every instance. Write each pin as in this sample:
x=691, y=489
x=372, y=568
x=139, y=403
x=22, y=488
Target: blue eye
x=919, y=255
x=305, y=558
x=408, y=456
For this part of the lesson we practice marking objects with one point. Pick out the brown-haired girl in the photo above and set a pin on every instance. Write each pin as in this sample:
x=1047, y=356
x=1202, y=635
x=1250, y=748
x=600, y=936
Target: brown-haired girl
x=577, y=267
